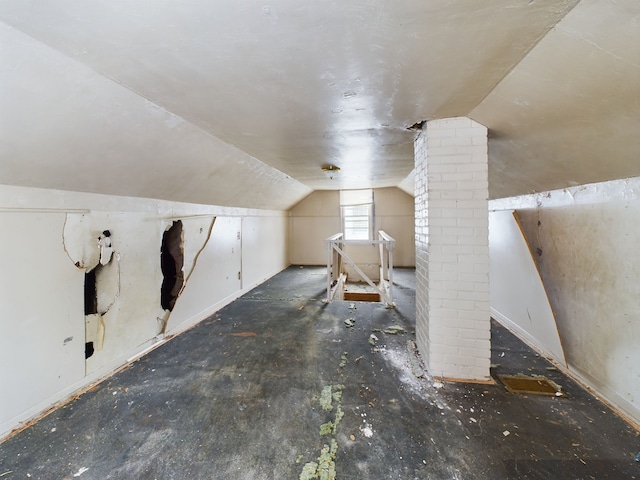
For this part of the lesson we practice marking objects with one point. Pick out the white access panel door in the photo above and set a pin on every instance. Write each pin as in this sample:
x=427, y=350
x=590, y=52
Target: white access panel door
x=518, y=297
x=216, y=276
x=41, y=315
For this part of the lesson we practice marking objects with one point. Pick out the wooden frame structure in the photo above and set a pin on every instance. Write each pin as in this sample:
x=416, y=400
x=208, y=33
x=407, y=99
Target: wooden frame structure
x=336, y=257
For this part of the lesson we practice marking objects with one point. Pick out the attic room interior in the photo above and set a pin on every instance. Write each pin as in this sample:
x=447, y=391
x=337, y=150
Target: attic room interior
x=170, y=173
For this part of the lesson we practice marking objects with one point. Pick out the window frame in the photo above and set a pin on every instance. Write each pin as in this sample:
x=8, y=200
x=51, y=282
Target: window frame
x=367, y=211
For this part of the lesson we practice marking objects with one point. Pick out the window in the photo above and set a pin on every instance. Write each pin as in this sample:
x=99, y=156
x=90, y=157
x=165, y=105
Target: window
x=356, y=208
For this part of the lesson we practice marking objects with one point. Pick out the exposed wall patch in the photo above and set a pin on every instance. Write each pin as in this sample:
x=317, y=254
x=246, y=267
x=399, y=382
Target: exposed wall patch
x=88, y=349
x=172, y=264
x=93, y=250
x=90, y=293
x=106, y=250
x=102, y=283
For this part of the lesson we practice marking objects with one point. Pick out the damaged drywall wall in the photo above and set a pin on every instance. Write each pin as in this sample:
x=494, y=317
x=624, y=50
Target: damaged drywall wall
x=93, y=251
x=124, y=253
x=218, y=274
x=195, y=233
x=51, y=345
x=585, y=241
x=172, y=265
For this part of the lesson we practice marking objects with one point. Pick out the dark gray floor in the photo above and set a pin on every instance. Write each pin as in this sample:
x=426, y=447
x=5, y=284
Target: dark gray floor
x=239, y=397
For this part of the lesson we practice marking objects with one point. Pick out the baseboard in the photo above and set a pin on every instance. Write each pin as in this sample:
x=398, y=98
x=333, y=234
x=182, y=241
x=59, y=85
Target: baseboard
x=45, y=407
x=26, y=418
x=525, y=336
x=619, y=405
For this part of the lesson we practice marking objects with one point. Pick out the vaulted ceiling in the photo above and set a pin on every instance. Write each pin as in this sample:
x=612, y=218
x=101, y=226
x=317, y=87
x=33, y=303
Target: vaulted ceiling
x=241, y=103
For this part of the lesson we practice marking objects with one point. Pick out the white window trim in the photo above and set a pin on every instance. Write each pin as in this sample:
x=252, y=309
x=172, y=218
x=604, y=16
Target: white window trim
x=350, y=199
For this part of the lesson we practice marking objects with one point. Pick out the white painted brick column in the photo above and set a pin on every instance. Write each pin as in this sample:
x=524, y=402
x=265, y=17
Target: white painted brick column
x=452, y=251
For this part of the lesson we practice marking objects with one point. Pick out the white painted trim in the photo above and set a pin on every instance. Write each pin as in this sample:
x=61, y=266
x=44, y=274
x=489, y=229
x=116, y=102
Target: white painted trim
x=599, y=390
x=524, y=335
x=63, y=396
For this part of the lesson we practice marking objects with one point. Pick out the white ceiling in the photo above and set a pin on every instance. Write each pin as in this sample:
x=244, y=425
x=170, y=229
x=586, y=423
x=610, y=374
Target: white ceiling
x=241, y=103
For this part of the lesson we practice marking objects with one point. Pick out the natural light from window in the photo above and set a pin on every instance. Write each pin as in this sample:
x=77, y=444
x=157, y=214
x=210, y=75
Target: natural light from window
x=356, y=208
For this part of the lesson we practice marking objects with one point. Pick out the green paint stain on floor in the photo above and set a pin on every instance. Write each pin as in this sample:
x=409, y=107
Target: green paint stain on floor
x=325, y=466
x=309, y=471
x=343, y=360
x=326, y=399
x=337, y=394
x=326, y=428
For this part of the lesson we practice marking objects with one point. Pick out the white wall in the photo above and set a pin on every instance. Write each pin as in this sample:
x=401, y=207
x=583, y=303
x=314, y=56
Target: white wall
x=518, y=297
x=586, y=241
x=311, y=221
x=395, y=215
x=41, y=313
x=50, y=240
x=258, y=262
x=318, y=216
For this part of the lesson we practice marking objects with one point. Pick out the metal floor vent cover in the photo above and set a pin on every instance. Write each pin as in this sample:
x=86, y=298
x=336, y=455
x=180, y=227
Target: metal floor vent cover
x=534, y=384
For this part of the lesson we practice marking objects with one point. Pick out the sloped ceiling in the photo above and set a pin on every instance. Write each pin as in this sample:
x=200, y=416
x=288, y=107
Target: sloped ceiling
x=242, y=103
x=569, y=113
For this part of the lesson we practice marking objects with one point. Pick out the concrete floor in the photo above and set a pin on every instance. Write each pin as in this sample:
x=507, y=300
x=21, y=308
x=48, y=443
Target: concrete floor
x=241, y=396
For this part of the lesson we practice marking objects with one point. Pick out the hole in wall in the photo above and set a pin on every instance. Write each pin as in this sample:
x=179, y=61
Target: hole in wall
x=172, y=263
x=88, y=349
x=101, y=288
x=90, y=292
x=417, y=125
x=91, y=279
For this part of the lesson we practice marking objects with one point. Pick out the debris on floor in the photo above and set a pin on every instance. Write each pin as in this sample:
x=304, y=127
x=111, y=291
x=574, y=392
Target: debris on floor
x=367, y=431
x=250, y=407
x=244, y=334
x=393, y=330
x=80, y=471
x=415, y=361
